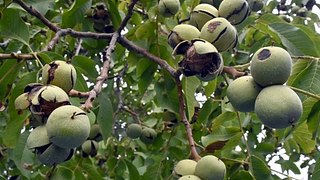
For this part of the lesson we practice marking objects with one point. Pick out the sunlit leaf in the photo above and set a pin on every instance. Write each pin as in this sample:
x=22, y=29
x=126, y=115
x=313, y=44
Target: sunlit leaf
x=306, y=75
x=190, y=85
x=303, y=137
x=294, y=39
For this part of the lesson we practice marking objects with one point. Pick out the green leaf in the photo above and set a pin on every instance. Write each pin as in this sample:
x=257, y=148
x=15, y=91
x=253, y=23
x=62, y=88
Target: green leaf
x=223, y=119
x=42, y=6
x=189, y=85
x=145, y=72
x=20, y=155
x=76, y=14
x=167, y=95
x=220, y=134
x=287, y=165
x=316, y=171
x=144, y=30
x=294, y=39
x=105, y=115
x=206, y=110
x=259, y=168
x=9, y=70
x=86, y=66
x=303, y=137
x=48, y=56
x=91, y=171
x=306, y=75
x=15, y=123
x=12, y=26
x=114, y=13
x=210, y=87
x=133, y=172
x=241, y=175
x=314, y=119
x=62, y=173
x=81, y=83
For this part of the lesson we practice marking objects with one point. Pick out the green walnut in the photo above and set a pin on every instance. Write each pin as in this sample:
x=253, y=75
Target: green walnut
x=295, y=9
x=54, y=155
x=148, y=135
x=95, y=133
x=59, y=73
x=256, y=5
x=214, y=3
x=22, y=102
x=68, y=126
x=242, y=93
x=201, y=59
x=220, y=33
x=189, y=177
x=285, y=18
x=134, y=131
x=210, y=167
x=90, y=148
x=278, y=106
x=169, y=118
x=37, y=138
x=168, y=8
x=184, y=167
x=302, y=12
x=235, y=11
x=182, y=32
x=271, y=65
x=201, y=14
x=47, y=99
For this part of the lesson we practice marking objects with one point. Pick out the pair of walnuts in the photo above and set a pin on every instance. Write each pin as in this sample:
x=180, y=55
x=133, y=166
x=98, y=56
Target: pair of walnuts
x=146, y=134
x=264, y=92
x=210, y=31
x=208, y=167
x=58, y=126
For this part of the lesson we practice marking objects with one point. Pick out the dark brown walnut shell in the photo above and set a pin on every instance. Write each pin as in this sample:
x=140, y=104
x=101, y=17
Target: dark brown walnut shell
x=201, y=58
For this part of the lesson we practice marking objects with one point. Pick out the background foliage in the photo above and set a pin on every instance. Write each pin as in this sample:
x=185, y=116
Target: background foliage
x=140, y=90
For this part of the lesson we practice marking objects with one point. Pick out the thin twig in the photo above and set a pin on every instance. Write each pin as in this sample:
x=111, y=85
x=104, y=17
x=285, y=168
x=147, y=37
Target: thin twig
x=310, y=58
x=233, y=72
x=75, y=93
x=305, y=92
x=18, y=56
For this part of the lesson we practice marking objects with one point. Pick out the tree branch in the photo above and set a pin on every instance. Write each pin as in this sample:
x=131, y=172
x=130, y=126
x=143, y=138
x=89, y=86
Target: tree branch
x=182, y=107
x=233, y=72
x=139, y=50
x=37, y=14
x=75, y=93
x=17, y=56
x=59, y=31
x=107, y=60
